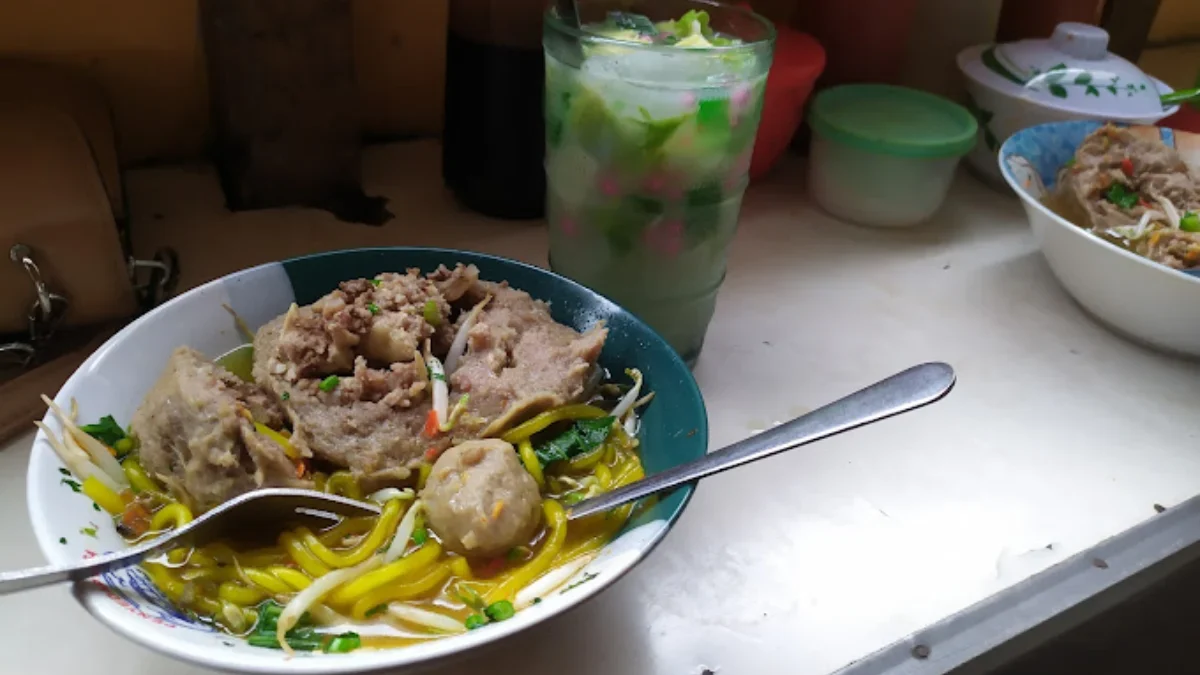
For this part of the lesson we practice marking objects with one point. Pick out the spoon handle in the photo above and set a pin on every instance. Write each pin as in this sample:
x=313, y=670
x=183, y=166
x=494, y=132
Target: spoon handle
x=21, y=580
x=904, y=391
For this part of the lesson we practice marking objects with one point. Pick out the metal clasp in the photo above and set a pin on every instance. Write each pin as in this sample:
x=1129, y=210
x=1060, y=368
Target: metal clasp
x=44, y=315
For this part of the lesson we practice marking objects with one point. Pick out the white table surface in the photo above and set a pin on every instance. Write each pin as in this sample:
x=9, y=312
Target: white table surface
x=1057, y=436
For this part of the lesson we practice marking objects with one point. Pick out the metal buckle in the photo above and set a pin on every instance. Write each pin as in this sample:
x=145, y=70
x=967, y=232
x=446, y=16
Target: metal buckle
x=161, y=279
x=16, y=355
x=45, y=313
x=21, y=255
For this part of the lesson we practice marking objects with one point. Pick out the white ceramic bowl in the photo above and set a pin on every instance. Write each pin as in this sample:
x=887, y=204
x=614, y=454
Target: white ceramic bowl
x=1135, y=297
x=1003, y=109
x=115, y=378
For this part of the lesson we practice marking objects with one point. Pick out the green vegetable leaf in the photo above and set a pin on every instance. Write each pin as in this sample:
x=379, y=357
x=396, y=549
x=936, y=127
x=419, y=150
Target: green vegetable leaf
x=346, y=642
x=302, y=637
x=500, y=610
x=329, y=384
x=1058, y=90
x=1190, y=222
x=1121, y=195
x=475, y=621
x=107, y=431
x=582, y=437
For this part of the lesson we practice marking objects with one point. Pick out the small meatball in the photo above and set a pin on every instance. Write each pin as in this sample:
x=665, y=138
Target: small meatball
x=480, y=500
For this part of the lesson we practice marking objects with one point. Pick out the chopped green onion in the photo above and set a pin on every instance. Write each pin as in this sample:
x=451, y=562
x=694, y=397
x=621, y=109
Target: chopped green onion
x=573, y=498
x=376, y=282
x=475, y=621
x=1070, y=162
x=537, y=601
x=373, y=308
x=329, y=384
x=74, y=485
x=124, y=446
x=346, y=642
x=432, y=316
x=500, y=610
x=420, y=535
x=62, y=540
x=1121, y=195
x=376, y=609
x=65, y=472
x=96, y=506
x=286, y=396
x=88, y=531
x=1190, y=222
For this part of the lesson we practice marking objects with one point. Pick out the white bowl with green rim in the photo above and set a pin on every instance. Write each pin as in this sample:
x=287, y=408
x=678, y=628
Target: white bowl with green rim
x=884, y=155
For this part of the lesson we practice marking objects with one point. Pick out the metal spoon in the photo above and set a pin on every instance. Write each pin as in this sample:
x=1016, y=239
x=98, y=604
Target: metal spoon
x=264, y=510
x=244, y=514
x=904, y=391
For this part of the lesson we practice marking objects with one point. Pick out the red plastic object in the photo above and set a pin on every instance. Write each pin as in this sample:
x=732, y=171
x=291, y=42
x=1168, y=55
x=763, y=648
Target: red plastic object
x=799, y=61
x=1187, y=119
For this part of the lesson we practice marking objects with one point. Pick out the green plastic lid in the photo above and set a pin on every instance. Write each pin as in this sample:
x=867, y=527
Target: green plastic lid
x=892, y=120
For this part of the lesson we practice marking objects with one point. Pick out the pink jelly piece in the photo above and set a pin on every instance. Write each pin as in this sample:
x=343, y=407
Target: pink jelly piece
x=609, y=187
x=666, y=238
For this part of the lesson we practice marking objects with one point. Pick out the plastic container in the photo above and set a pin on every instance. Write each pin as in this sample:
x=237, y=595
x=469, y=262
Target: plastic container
x=884, y=155
x=799, y=61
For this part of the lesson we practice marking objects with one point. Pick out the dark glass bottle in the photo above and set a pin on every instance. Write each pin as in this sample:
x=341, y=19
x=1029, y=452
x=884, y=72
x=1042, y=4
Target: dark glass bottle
x=493, y=143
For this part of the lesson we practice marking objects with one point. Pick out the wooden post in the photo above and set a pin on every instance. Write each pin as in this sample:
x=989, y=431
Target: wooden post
x=281, y=80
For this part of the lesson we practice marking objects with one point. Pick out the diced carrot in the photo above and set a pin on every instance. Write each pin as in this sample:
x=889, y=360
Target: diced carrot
x=1127, y=167
x=301, y=468
x=431, y=453
x=136, y=519
x=431, y=424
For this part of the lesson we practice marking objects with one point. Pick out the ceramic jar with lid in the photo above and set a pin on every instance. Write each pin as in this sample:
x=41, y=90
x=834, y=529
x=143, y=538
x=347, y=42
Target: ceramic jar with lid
x=1069, y=76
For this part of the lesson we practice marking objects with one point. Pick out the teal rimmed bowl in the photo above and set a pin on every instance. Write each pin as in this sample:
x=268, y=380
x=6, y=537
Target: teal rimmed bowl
x=115, y=378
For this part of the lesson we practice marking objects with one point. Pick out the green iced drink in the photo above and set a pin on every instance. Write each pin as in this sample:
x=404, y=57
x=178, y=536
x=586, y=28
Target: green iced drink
x=651, y=113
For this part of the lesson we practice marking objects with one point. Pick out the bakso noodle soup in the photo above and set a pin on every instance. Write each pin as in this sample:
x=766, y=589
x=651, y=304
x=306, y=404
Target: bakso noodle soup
x=459, y=405
x=1135, y=192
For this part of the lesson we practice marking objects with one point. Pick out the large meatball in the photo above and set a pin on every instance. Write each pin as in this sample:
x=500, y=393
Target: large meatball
x=480, y=500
